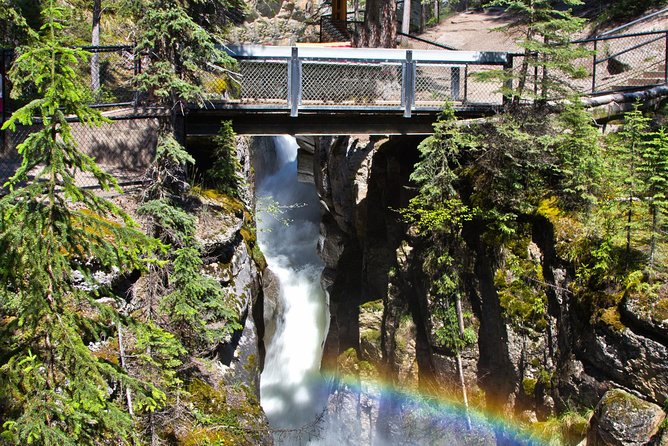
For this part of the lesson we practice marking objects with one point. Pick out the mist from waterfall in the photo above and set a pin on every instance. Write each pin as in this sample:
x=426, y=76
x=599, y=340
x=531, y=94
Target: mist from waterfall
x=288, y=231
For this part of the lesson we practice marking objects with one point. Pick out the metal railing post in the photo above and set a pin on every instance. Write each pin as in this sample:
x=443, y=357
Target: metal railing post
x=665, y=59
x=408, y=84
x=137, y=71
x=455, y=82
x=593, y=72
x=466, y=84
x=508, y=84
x=294, y=82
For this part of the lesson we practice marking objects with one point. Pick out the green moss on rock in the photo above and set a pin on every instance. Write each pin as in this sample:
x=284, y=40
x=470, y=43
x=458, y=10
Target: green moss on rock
x=529, y=386
x=612, y=318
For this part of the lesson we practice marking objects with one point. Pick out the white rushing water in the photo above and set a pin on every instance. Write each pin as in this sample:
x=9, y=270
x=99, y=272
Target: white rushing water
x=289, y=389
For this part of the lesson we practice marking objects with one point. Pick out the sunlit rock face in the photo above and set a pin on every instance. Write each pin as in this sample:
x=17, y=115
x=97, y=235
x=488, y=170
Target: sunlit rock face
x=622, y=419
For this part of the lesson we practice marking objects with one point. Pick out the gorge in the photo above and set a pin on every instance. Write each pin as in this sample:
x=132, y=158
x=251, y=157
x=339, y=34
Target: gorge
x=386, y=379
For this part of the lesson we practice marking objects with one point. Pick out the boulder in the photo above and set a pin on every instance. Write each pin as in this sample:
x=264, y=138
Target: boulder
x=622, y=419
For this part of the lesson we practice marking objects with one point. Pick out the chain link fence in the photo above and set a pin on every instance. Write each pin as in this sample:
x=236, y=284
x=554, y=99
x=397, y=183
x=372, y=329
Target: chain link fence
x=610, y=63
x=125, y=147
x=337, y=83
x=628, y=61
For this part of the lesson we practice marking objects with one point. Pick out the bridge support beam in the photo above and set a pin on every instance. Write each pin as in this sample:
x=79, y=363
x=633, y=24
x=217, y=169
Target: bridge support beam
x=294, y=82
x=408, y=84
x=249, y=123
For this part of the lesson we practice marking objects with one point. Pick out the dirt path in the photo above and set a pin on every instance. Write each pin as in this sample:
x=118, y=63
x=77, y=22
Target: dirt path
x=473, y=31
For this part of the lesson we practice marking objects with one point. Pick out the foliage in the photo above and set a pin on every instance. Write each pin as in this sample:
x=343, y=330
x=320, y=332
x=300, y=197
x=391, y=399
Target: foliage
x=653, y=170
x=223, y=175
x=569, y=428
x=436, y=206
x=495, y=178
x=547, y=31
x=197, y=307
x=54, y=390
x=179, y=49
x=14, y=25
x=579, y=160
x=520, y=285
x=447, y=334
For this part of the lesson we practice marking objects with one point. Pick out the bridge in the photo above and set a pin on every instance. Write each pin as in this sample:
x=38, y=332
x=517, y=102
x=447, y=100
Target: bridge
x=318, y=90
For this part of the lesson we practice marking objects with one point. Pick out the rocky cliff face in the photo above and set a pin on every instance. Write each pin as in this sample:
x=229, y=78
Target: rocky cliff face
x=278, y=22
x=529, y=363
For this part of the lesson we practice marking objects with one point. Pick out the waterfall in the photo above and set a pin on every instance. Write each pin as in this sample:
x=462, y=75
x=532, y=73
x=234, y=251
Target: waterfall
x=288, y=230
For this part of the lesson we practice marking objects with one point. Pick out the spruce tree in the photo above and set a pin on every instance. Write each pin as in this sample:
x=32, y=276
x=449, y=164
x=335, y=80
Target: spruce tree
x=438, y=213
x=653, y=170
x=628, y=148
x=548, y=55
x=189, y=312
x=578, y=160
x=54, y=237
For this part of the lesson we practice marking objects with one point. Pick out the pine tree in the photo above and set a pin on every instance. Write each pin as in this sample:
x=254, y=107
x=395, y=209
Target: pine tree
x=629, y=146
x=54, y=236
x=579, y=161
x=548, y=57
x=653, y=170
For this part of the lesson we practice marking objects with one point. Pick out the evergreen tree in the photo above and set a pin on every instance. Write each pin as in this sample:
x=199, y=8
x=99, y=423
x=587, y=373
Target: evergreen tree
x=54, y=236
x=628, y=148
x=223, y=175
x=653, y=170
x=548, y=56
x=180, y=298
x=579, y=161
x=13, y=26
x=438, y=213
x=179, y=50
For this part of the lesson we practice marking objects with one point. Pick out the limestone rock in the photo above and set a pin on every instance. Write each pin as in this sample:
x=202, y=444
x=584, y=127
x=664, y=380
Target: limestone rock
x=371, y=320
x=621, y=419
x=649, y=313
x=330, y=244
x=273, y=308
x=576, y=385
x=629, y=359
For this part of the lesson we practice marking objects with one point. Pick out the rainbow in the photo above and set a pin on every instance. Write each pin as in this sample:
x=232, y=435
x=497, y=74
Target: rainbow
x=442, y=411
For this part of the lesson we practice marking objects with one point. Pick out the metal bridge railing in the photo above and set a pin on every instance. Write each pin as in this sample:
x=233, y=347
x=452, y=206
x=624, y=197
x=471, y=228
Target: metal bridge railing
x=306, y=78
x=116, y=69
x=312, y=78
x=627, y=61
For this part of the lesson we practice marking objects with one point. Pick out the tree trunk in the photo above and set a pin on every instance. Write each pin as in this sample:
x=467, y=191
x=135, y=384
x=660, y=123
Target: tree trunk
x=406, y=21
x=460, y=368
x=95, y=41
x=655, y=227
x=380, y=25
x=423, y=17
x=121, y=354
x=437, y=11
